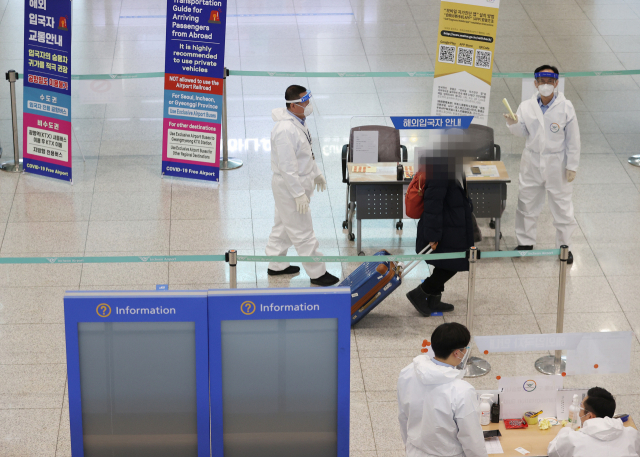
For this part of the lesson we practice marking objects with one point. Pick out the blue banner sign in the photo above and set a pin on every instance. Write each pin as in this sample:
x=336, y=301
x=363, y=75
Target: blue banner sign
x=431, y=122
x=47, y=88
x=194, y=78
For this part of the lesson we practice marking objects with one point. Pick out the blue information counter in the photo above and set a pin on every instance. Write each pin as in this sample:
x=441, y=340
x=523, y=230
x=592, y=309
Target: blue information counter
x=234, y=373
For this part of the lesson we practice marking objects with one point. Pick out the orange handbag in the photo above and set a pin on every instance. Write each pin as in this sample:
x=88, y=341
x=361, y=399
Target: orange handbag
x=414, y=198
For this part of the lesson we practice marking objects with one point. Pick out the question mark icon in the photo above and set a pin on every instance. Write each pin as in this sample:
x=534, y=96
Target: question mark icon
x=248, y=308
x=103, y=310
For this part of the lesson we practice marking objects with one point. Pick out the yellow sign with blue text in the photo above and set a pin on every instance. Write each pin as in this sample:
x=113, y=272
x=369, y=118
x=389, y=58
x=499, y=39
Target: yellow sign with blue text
x=464, y=62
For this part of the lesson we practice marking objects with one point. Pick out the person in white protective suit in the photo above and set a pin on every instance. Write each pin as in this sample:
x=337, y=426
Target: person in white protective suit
x=600, y=435
x=549, y=161
x=439, y=412
x=295, y=174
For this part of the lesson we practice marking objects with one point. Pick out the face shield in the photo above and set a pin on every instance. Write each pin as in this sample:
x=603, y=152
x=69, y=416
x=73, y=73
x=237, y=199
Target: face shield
x=546, y=77
x=463, y=363
x=546, y=82
x=308, y=107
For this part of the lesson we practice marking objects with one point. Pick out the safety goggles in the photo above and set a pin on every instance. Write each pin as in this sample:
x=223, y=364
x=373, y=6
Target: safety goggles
x=301, y=100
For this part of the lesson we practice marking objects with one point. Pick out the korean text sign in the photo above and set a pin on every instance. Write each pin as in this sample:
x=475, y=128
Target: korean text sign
x=431, y=122
x=47, y=88
x=464, y=63
x=194, y=72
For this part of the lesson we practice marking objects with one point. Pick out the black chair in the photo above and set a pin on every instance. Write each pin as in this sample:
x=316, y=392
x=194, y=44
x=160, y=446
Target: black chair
x=389, y=150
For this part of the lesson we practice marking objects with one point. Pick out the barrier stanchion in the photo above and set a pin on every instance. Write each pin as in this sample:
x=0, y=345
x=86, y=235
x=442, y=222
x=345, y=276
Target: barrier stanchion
x=556, y=364
x=232, y=259
x=226, y=163
x=634, y=160
x=475, y=365
x=16, y=165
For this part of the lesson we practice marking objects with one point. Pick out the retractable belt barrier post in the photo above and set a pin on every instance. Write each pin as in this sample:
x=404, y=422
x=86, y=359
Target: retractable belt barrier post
x=231, y=258
x=475, y=365
x=556, y=364
x=15, y=166
x=226, y=163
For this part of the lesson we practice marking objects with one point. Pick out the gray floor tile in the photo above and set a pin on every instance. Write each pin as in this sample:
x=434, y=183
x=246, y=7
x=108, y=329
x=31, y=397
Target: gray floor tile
x=612, y=198
x=32, y=386
x=23, y=425
x=583, y=295
x=625, y=289
x=51, y=207
x=128, y=235
x=205, y=235
x=28, y=344
x=361, y=433
x=394, y=342
x=32, y=305
x=63, y=448
x=609, y=227
x=131, y=206
x=38, y=237
x=198, y=204
x=617, y=259
x=386, y=429
x=382, y=373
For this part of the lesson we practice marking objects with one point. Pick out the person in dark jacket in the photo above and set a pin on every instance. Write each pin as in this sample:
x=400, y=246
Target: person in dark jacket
x=447, y=226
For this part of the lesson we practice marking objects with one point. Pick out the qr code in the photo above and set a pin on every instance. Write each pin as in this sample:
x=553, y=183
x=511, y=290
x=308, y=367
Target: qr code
x=447, y=54
x=483, y=59
x=465, y=56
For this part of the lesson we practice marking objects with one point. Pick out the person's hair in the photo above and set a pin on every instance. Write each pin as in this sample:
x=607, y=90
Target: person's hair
x=293, y=93
x=600, y=402
x=544, y=67
x=448, y=337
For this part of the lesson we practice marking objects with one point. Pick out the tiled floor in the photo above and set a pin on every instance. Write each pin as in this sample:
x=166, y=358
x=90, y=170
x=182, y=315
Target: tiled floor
x=120, y=205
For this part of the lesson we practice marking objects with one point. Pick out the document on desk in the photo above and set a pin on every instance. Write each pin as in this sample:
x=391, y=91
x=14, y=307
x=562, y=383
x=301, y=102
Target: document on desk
x=488, y=171
x=387, y=171
x=363, y=169
x=365, y=146
x=493, y=445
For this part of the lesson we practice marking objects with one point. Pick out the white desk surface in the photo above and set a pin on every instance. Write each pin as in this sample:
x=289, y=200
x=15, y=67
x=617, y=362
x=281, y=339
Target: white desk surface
x=504, y=176
x=377, y=176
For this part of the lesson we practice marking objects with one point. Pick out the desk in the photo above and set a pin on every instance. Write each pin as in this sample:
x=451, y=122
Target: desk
x=376, y=195
x=488, y=194
x=533, y=439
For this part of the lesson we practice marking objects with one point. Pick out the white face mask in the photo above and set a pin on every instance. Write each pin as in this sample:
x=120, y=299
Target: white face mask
x=545, y=89
x=308, y=110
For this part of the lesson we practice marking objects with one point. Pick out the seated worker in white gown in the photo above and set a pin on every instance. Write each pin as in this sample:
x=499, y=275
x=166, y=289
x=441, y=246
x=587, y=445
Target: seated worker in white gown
x=600, y=434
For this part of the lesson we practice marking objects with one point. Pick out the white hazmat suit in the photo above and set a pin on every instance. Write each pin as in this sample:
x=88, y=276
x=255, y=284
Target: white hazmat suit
x=438, y=412
x=597, y=437
x=552, y=147
x=294, y=170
